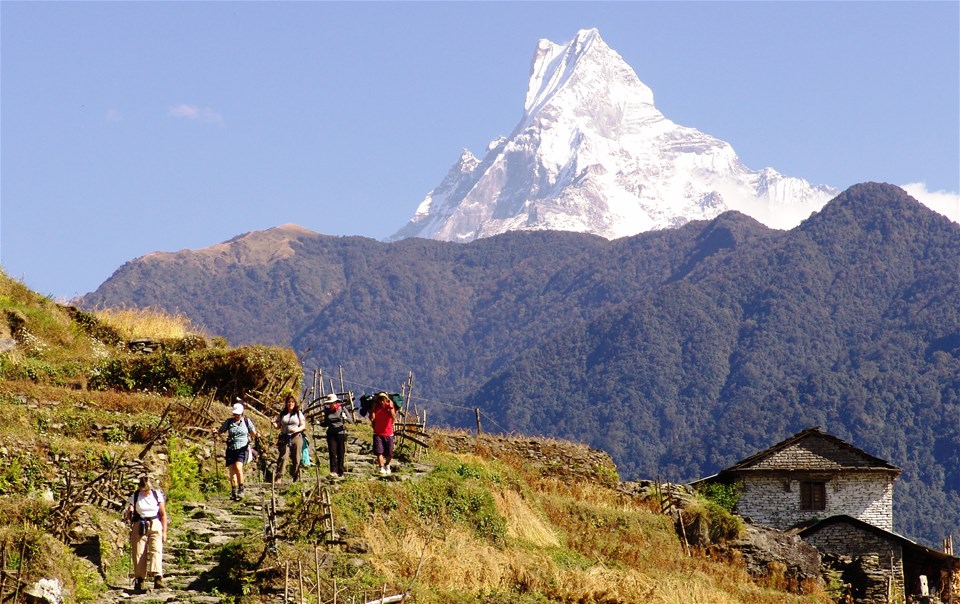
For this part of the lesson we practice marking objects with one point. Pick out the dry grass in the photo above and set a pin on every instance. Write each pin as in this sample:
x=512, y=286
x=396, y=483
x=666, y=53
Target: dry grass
x=133, y=323
x=107, y=400
x=523, y=522
x=566, y=542
x=455, y=562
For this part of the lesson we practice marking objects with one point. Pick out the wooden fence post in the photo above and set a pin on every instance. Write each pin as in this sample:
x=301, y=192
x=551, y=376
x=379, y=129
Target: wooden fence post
x=23, y=551
x=316, y=560
x=300, y=579
x=3, y=567
x=478, y=421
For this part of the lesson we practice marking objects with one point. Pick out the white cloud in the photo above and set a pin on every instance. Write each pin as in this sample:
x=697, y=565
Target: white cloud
x=943, y=202
x=192, y=112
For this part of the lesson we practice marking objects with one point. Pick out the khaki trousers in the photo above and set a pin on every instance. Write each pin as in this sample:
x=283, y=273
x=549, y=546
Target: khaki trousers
x=146, y=549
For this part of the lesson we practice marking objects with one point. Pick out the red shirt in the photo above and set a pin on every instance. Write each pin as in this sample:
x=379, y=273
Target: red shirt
x=382, y=420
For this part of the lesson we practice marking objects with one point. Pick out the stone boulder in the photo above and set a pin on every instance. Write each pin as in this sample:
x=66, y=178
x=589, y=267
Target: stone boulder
x=780, y=557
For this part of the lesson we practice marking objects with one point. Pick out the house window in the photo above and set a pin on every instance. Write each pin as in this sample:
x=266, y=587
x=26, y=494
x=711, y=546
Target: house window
x=813, y=495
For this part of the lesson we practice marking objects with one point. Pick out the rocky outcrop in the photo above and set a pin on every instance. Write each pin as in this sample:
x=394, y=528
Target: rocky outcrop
x=561, y=459
x=775, y=554
x=777, y=557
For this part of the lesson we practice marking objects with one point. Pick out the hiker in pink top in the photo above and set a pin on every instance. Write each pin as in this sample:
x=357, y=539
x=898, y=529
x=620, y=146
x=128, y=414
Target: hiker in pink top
x=382, y=416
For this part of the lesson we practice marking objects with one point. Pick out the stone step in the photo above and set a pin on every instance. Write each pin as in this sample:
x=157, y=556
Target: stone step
x=208, y=525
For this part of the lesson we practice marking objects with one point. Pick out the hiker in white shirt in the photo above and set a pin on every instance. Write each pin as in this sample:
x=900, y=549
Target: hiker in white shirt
x=147, y=516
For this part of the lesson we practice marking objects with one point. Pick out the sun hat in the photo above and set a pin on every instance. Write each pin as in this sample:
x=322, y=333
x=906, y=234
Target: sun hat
x=238, y=408
x=330, y=398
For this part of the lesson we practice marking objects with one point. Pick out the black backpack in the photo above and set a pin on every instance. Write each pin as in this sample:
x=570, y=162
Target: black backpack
x=366, y=403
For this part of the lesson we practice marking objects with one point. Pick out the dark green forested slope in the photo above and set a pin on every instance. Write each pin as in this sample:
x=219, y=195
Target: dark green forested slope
x=849, y=322
x=677, y=351
x=455, y=314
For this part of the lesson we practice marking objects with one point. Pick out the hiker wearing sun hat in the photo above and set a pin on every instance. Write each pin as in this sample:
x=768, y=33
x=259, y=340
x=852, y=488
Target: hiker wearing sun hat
x=333, y=421
x=240, y=434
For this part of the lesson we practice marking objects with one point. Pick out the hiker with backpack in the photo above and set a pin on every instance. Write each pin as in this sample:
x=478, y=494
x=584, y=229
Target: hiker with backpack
x=291, y=423
x=382, y=416
x=240, y=436
x=333, y=420
x=147, y=516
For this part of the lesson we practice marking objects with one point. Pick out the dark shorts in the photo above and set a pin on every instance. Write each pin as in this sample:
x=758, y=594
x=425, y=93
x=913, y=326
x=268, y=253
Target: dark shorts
x=383, y=445
x=235, y=455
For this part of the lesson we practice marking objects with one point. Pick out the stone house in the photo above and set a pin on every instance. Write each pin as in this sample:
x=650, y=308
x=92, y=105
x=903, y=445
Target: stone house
x=840, y=500
x=882, y=566
x=810, y=476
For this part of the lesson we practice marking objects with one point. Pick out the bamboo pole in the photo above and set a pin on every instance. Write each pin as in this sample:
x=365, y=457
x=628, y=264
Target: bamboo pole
x=316, y=561
x=423, y=553
x=300, y=579
x=316, y=455
x=3, y=567
x=23, y=551
x=683, y=533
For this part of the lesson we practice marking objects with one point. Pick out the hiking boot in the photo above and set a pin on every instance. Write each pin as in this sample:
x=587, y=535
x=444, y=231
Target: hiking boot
x=240, y=493
x=389, y=471
x=138, y=585
x=383, y=471
x=233, y=495
x=158, y=582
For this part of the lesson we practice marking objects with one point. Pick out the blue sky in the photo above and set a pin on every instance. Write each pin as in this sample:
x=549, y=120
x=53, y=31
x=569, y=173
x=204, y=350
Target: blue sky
x=133, y=127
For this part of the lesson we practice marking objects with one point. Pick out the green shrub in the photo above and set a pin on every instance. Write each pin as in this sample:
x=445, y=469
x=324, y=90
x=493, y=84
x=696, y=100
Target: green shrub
x=183, y=473
x=458, y=492
x=723, y=525
x=24, y=474
x=725, y=495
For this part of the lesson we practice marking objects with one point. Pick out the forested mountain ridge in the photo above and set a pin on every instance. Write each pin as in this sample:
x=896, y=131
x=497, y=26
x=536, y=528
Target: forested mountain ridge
x=678, y=351
x=849, y=322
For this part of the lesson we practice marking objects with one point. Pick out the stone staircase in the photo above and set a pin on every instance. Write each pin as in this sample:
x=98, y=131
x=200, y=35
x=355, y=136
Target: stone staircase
x=195, y=540
x=193, y=544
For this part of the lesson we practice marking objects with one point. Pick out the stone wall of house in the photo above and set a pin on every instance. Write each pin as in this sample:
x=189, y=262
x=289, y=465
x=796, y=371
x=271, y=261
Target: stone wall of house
x=880, y=560
x=774, y=500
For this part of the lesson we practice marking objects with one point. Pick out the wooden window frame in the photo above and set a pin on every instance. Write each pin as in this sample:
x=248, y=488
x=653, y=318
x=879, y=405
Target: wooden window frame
x=813, y=495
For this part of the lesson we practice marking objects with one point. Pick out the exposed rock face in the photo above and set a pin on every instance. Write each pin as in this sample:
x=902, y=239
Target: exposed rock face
x=767, y=551
x=45, y=591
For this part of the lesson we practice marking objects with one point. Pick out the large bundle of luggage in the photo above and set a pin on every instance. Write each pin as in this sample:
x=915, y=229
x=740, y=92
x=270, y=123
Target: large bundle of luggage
x=367, y=400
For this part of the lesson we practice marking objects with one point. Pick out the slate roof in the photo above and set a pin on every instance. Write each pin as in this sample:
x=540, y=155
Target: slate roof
x=811, y=449
x=909, y=546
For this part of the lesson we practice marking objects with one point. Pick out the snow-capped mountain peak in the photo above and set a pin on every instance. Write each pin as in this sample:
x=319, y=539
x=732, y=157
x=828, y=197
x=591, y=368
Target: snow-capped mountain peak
x=593, y=154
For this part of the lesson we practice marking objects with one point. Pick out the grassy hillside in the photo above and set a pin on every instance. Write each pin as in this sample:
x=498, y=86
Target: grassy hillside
x=485, y=526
